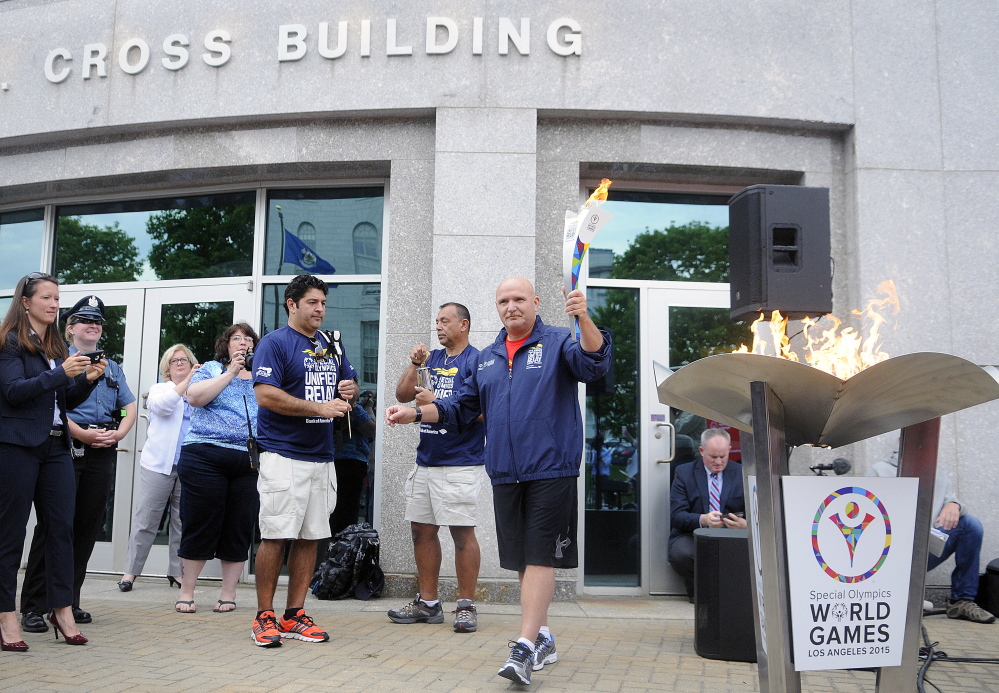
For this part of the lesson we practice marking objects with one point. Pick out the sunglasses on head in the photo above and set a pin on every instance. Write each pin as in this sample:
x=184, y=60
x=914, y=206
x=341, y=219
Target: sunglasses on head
x=36, y=276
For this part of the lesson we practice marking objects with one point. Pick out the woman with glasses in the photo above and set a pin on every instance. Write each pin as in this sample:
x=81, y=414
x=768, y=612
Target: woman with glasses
x=218, y=500
x=39, y=382
x=169, y=421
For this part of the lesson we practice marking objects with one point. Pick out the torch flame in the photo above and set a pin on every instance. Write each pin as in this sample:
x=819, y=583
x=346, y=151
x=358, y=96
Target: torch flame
x=843, y=353
x=600, y=194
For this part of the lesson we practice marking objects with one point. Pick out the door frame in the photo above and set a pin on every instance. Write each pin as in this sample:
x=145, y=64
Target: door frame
x=654, y=299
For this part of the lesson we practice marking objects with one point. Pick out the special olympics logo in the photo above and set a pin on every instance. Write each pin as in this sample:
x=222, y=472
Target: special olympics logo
x=847, y=514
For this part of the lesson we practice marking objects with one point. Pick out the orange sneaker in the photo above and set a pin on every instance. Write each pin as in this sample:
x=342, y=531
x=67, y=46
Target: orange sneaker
x=302, y=627
x=265, y=631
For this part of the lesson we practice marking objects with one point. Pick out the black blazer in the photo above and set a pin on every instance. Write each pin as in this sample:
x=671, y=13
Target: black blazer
x=689, y=499
x=26, y=403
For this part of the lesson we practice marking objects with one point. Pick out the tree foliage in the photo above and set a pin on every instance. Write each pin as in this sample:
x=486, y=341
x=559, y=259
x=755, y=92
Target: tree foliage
x=202, y=242
x=691, y=252
x=88, y=253
x=196, y=325
x=619, y=315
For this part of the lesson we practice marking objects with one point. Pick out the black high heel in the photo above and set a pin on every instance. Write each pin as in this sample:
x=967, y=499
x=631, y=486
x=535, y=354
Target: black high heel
x=173, y=581
x=77, y=639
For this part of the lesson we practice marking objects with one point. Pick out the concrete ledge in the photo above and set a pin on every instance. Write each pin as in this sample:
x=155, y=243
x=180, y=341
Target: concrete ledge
x=494, y=590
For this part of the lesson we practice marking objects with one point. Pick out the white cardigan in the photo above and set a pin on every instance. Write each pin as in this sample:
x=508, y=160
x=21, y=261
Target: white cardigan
x=166, y=416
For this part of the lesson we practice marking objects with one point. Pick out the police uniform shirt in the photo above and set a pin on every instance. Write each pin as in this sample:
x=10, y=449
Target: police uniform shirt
x=105, y=399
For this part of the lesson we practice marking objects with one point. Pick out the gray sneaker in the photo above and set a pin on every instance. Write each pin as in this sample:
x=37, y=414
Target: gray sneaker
x=465, y=617
x=518, y=664
x=418, y=612
x=544, y=652
x=969, y=611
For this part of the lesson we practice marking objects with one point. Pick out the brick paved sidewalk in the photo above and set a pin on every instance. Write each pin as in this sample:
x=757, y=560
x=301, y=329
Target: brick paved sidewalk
x=139, y=643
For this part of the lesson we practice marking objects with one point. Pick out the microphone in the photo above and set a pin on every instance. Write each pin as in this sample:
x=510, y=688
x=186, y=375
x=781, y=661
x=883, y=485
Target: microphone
x=839, y=466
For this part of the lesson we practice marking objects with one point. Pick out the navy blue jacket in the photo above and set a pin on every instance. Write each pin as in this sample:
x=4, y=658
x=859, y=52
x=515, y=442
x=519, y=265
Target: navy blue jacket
x=689, y=499
x=534, y=429
x=27, y=384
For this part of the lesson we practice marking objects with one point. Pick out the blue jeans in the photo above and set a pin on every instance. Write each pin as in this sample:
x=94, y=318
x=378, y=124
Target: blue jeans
x=965, y=543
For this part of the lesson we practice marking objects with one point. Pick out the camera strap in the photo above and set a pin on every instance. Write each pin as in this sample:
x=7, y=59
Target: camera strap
x=249, y=426
x=251, y=442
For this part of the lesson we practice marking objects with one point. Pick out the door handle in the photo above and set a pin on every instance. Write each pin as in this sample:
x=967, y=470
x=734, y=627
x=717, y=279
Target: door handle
x=672, y=441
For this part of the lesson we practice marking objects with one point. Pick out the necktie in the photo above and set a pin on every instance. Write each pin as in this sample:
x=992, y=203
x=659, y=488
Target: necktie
x=715, y=492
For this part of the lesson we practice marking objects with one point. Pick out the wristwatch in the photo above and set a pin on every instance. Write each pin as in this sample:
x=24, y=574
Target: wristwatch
x=419, y=415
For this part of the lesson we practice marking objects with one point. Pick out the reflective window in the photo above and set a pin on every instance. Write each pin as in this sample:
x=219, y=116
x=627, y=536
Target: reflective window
x=663, y=237
x=143, y=240
x=612, y=461
x=326, y=231
x=196, y=325
x=21, y=235
x=351, y=308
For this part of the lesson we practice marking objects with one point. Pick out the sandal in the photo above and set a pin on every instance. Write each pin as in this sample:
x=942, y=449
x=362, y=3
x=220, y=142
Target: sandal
x=219, y=610
x=184, y=611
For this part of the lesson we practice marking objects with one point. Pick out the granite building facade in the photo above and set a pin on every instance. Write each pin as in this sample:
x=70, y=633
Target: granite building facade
x=440, y=147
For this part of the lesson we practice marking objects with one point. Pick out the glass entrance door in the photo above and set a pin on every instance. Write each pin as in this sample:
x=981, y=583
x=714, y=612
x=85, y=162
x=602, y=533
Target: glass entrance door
x=141, y=323
x=632, y=448
x=120, y=341
x=182, y=316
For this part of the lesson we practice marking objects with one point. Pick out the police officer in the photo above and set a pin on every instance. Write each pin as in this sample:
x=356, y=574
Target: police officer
x=96, y=426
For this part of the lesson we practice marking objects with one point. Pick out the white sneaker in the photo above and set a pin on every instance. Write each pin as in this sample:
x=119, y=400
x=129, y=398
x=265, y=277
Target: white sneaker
x=927, y=605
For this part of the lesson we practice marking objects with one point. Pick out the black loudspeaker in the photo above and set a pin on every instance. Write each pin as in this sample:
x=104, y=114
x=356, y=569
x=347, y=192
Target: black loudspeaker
x=723, y=596
x=779, y=251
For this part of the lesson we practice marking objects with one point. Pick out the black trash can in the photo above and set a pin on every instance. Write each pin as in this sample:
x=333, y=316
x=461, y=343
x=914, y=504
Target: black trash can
x=723, y=596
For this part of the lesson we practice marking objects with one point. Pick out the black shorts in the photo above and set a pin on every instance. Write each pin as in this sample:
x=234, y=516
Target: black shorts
x=536, y=523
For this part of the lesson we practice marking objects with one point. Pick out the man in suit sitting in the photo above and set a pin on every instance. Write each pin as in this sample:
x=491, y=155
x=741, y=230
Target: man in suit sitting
x=706, y=493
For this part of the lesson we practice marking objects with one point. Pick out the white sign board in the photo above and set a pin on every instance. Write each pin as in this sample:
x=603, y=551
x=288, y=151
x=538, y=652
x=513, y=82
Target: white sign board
x=754, y=501
x=849, y=557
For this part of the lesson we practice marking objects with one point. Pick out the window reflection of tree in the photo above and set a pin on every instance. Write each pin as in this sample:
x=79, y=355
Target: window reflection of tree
x=215, y=241
x=619, y=314
x=90, y=253
x=196, y=325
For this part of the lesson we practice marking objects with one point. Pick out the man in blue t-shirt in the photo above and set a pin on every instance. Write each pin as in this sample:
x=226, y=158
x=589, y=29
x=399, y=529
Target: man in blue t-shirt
x=443, y=487
x=302, y=381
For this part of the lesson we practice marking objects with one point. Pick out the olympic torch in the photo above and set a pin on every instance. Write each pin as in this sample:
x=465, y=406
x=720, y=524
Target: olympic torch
x=580, y=229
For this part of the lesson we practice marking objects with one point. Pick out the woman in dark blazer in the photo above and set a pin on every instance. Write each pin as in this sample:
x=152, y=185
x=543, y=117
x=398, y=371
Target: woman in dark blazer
x=39, y=382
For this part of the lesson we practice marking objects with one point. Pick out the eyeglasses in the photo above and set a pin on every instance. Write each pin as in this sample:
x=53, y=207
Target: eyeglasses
x=87, y=321
x=178, y=362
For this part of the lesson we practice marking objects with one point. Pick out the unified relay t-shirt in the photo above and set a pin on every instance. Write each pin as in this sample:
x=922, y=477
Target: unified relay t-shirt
x=288, y=360
x=442, y=446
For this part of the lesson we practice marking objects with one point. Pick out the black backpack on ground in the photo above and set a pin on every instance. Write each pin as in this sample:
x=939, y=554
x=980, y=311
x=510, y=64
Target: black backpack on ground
x=351, y=567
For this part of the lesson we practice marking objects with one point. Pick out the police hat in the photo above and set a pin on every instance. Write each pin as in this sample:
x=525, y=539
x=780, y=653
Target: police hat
x=87, y=307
